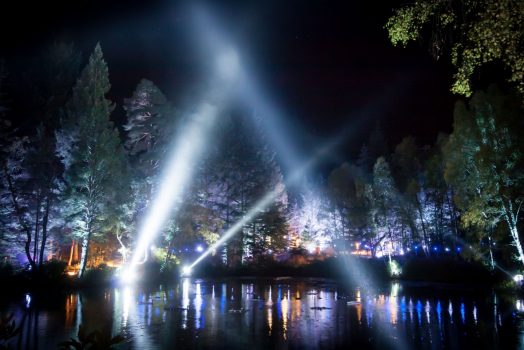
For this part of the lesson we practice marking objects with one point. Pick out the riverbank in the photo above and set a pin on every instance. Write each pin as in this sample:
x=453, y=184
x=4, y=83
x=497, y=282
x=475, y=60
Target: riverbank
x=352, y=271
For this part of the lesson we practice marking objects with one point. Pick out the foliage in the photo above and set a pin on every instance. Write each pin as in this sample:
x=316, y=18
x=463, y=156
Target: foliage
x=53, y=270
x=484, y=162
x=91, y=153
x=473, y=33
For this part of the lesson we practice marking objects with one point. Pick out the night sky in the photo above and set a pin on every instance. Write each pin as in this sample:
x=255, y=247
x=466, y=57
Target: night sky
x=324, y=64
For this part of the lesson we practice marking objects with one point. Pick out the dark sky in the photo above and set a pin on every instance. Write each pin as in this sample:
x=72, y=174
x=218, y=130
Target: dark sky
x=323, y=63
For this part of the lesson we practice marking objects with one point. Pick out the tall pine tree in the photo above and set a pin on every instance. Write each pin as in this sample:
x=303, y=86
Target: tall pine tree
x=91, y=152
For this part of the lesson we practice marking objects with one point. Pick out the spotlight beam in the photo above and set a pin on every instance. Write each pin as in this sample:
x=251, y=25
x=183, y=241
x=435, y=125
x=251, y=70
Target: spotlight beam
x=247, y=90
x=188, y=149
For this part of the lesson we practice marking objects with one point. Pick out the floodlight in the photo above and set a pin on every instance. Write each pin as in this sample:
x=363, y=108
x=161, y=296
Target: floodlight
x=186, y=271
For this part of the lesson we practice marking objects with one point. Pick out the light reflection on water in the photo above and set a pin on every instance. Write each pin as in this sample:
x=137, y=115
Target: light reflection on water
x=278, y=314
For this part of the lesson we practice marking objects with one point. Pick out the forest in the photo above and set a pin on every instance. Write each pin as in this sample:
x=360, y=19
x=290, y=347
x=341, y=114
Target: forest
x=76, y=185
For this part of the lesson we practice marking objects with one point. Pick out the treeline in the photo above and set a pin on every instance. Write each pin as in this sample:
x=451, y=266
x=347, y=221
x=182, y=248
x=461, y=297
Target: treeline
x=75, y=176
x=461, y=196
x=78, y=177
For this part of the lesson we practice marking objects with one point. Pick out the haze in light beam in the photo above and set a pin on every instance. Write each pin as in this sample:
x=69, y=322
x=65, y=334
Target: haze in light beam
x=187, y=151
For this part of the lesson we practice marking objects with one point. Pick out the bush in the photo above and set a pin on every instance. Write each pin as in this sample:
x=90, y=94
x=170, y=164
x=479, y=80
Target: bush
x=101, y=275
x=445, y=270
x=53, y=270
x=6, y=271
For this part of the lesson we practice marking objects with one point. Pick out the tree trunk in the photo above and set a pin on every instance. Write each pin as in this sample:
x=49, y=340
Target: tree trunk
x=84, y=253
x=511, y=216
x=516, y=239
x=19, y=214
x=492, y=261
x=45, y=220
x=426, y=240
x=122, y=245
x=37, y=221
x=71, y=252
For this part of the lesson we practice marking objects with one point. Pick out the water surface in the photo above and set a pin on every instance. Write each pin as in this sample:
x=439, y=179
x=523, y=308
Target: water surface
x=277, y=313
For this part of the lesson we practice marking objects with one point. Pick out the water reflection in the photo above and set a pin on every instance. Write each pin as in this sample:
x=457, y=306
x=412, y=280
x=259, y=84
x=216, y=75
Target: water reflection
x=267, y=314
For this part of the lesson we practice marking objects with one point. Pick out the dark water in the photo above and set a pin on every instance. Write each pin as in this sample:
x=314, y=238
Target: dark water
x=282, y=313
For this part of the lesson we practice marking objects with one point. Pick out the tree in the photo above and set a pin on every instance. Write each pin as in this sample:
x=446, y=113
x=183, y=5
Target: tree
x=91, y=152
x=312, y=218
x=474, y=33
x=149, y=128
x=485, y=164
x=239, y=171
x=31, y=182
x=439, y=194
x=382, y=195
x=413, y=200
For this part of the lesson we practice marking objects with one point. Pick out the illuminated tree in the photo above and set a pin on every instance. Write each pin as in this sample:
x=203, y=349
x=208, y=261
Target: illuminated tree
x=31, y=170
x=474, y=33
x=92, y=154
x=407, y=170
x=239, y=171
x=313, y=218
x=485, y=164
x=382, y=196
x=149, y=130
x=444, y=218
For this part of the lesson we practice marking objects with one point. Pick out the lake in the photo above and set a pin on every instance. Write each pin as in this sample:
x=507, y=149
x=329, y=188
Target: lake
x=281, y=313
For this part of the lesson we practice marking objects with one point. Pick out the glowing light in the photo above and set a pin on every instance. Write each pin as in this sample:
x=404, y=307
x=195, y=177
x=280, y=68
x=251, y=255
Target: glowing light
x=519, y=305
x=186, y=271
x=127, y=275
x=394, y=268
x=185, y=302
x=518, y=278
x=198, y=306
x=27, y=301
x=199, y=248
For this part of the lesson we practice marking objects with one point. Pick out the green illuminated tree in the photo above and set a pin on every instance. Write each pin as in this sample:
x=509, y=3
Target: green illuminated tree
x=92, y=154
x=473, y=33
x=485, y=164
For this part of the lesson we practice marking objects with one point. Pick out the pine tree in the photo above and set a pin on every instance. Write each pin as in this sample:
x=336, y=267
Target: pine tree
x=91, y=152
x=382, y=195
